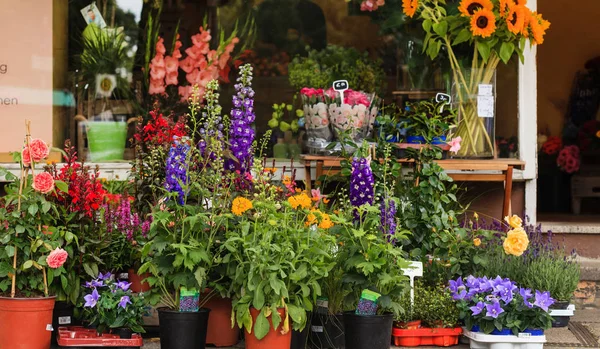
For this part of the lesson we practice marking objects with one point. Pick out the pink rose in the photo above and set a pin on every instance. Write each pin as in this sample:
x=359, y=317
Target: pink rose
x=39, y=151
x=455, y=144
x=57, y=258
x=43, y=182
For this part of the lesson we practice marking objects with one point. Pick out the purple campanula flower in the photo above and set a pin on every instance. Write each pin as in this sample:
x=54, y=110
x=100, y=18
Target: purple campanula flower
x=123, y=285
x=455, y=285
x=543, y=300
x=472, y=282
x=94, y=284
x=242, y=116
x=494, y=309
x=106, y=276
x=478, y=308
x=526, y=294
x=91, y=299
x=504, y=293
x=124, y=301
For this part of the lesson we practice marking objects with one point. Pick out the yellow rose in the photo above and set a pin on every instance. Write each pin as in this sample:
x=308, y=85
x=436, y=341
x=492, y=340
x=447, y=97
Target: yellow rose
x=516, y=242
x=514, y=221
x=477, y=242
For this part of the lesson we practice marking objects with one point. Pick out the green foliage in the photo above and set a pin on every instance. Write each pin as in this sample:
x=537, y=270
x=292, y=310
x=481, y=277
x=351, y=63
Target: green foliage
x=321, y=68
x=424, y=119
x=433, y=305
x=554, y=272
x=108, y=314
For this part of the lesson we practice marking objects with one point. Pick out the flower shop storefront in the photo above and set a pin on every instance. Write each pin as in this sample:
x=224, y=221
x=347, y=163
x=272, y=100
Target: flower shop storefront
x=276, y=172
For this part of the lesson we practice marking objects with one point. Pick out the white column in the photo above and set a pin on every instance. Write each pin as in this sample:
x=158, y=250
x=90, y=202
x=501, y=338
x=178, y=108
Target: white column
x=528, y=124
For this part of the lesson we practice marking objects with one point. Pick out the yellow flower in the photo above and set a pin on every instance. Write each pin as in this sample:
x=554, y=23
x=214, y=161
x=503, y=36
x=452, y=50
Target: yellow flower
x=469, y=7
x=270, y=170
x=477, y=242
x=287, y=180
x=516, y=242
x=538, y=27
x=298, y=190
x=240, y=205
x=300, y=200
x=514, y=221
x=311, y=219
x=483, y=23
x=476, y=216
x=515, y=21
x=326, y=222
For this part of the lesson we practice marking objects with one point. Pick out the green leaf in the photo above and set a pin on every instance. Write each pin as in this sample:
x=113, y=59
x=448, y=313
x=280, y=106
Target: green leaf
x=297, y=314
x=62, y=186
x=89, y=270
x=69, y=236
x=463, y=35
x=32, y=209
x=427, y=25
x=200, y=276
x=275, y=317
x=261, y=326
x=10, y=250
x=46, y=206
x=27, y=264
x=64, y=282
x=20, y=229
x=440, y=28
x=484, y=50
x=259, y=297
x=506, y=51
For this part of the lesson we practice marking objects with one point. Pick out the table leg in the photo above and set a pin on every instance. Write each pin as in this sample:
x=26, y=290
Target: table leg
x=507, y=192
x=319, y=172
x=307, y=176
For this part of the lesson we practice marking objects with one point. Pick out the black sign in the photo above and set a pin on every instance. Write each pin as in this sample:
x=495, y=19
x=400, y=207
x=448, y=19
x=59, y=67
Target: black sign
x=442, y=97
x=340, y=85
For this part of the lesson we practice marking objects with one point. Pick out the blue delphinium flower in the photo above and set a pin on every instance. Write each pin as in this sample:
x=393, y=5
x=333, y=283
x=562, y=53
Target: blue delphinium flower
x=493, y=309
x=176, y=169
x=361, y=183
x=241, y=134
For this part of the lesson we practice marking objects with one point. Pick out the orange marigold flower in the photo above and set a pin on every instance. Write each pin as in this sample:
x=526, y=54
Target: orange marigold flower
x=326, y=222
x=240, y=205
x=300, y=200
x=270, y=170
x=410, y=7
x=469, y=7
x=287, y=180
x=483, y=23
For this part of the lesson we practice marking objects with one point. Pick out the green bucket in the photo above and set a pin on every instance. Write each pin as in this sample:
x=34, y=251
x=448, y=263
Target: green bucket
x=106, y=140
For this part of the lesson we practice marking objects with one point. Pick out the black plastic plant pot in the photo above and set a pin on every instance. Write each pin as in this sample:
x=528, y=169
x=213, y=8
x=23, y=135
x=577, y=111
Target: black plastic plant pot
x=327, y=331
x=182, y=330
x=62, y=315
x=560, y=321
x=123, y=332
x=300, y=338
x=368, y=331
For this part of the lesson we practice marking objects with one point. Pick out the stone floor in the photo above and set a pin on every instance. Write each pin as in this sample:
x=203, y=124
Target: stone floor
x=583, y=332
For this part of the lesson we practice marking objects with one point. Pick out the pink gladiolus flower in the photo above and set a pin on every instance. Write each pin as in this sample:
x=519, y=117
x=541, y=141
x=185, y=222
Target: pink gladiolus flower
x=158, y=61
x=43, y=182
x=160, y=47
x=171, y=64
x=57, y=258
x=157, y=72
x=39, y=151
x=171, y=79
x=156, y=87
x=455, y=144
x=193, y=77
x=187, y=64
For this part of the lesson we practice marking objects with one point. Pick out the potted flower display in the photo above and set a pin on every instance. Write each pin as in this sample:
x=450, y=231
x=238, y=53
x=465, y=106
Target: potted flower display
x=186, y=225
x=31, y=259
x=316, y=118
x=500, y=308
x=354, y=117
x=278, y=252
x=110, y=305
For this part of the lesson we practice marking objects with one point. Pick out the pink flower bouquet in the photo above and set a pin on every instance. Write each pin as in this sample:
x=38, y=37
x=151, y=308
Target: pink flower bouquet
x=354, y=117
x=317, y=120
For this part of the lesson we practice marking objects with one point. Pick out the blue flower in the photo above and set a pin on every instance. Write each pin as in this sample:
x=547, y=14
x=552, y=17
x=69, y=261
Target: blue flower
x=543, y=300
x=361, y=184
x=91, y=299
x=494, y=309
x=388, y=218
x=241, y=134
x=176, y=168
x=106, y=276
x=123, y=285
x=478, y=308
x=455, y=285
x=124, y=301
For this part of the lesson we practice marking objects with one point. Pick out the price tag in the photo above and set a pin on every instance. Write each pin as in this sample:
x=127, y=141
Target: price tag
x=340, y=86
x=318, y=329
x=442, y=97
x=485, y=89
x=64, y=320
x=49, y=328
x=485, y=106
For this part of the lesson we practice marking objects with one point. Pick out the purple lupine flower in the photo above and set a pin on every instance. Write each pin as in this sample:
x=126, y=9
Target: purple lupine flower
x=241, y=134
x=124, y=301
x=91, y=299
x=388, y=218
x=361, y=183
x=123, y=285
x=494, y=309
x=478, y=308
x=543, y=300
x=176, y=169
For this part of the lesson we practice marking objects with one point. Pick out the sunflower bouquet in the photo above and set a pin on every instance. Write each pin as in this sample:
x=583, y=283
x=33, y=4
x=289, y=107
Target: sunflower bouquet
x=496, y=30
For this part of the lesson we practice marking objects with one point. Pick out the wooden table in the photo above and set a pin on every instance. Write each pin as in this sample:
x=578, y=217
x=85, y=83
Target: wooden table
x=329, y=165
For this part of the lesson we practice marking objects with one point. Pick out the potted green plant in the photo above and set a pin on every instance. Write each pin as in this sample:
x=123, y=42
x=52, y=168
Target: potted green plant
x=287, y=130
x=31, y=259
x=110, y=305
x=277, y=250
x=428, y=122
x=187, y=222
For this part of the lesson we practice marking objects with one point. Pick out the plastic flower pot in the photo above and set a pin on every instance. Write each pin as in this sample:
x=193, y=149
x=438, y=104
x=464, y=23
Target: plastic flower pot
x=479, y=340
x=137, y=281
x=327, y=331
x=62, y=315
x=415, y=140
x=274, y=339
x=368, y=331
x=410, y=325
x=106, y=140
x=441, y=337
x=183, y=330
x=300, y=338
x=560, y=320
x=438, y=140
x=79, y=337
x=219, y=332
x=26, y=322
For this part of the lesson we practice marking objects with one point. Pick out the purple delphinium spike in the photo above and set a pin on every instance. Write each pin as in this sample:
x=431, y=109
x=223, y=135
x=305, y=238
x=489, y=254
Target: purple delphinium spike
x=241, y=134
x=176, y=169
x=388, y=218
x=361, y=184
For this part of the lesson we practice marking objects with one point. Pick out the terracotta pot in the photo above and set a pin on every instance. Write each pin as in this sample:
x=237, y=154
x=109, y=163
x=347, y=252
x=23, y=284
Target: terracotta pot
x=274, y=339
x=26, y=323
x=220, y=333
x=137, y=283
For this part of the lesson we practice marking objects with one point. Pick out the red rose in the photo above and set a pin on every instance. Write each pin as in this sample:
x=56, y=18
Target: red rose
x=43, y=182
x=39, y=151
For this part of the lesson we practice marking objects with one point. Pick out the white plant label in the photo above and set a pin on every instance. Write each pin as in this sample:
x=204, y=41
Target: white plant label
x=340, y=86
x=485, y=106
x=64, y=320
x=318, y=329
x=49, y=327
x=485, y=89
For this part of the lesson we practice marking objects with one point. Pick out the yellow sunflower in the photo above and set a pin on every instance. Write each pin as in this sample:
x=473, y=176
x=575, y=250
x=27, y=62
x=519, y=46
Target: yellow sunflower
x=538, y=27
x=240, y=205
x=505, y=6
x=516, y=19
x=483, y=23
x=410, y=7
x=469, y=7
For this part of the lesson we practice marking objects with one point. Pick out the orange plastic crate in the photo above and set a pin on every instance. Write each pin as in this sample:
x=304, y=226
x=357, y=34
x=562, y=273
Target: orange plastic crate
x=84, y=337
x=441, y=337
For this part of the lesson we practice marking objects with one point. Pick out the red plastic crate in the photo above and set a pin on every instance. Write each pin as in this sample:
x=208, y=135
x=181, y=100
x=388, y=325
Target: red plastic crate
x=85, y=337
x=441, y=337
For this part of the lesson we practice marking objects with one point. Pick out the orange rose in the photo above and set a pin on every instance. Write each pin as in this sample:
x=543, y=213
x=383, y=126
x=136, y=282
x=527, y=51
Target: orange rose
x=477, y=242
x=516, y=242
